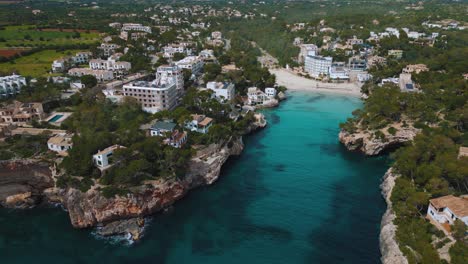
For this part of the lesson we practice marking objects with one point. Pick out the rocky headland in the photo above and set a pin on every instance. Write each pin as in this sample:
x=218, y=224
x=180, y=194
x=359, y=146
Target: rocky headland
x=25, y=183
x=366, y=141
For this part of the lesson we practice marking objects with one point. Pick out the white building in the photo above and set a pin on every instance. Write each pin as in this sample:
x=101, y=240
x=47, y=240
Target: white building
x=11, y=85
x=270, y=92
x=222, y=91
x=192, y=63
x=102, y=158
x=101, y=75
x=170, y=50
x=364, y=77
x=317, y=66
x=135, y=27
x=338, y=73
x=59, y=65
x=305, y=50
x=108, y=48
x=60, y=143
x=172, y=71
x=82, y=57
x=447, y=209
x=110, y=65
x=256, y=96
x=160, y=94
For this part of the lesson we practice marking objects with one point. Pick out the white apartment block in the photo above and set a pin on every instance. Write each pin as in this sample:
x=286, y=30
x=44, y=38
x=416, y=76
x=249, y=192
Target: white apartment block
x=108, y=48
x=170, y=50
x=192, y=63
x=135, y=27
x=110, y=65
x=307, y=49
x=82, y=57
x=160, y=94
x=222, y=91
x=11, y=85
x=101, y=75
x=317, y=66
x=338, y=73
x=172, y=71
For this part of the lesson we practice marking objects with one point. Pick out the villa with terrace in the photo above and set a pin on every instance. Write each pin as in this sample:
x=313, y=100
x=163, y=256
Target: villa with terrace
x=199, y=123
x=446, y=209
x=20, y=114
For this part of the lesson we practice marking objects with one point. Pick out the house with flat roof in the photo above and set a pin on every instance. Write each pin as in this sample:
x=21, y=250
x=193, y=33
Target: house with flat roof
x=447, y=209
x=222, y=90
x=60, y=143
x=199, y=123
x=102, y=159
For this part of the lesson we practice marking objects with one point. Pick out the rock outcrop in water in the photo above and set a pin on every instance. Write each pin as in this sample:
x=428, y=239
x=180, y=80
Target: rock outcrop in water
x=391, y=253
x=22, y=182
x=366, y=142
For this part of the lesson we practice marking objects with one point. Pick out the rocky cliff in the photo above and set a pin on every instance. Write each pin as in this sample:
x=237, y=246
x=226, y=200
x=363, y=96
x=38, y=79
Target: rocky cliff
x=23, y=181
x=369, y=144
x=92, y=208
x=391, y=253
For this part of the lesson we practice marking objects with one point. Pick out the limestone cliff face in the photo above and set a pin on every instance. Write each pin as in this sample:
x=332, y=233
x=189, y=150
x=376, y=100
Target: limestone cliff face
x=90, y=208
x=23, y=181
x=391, y=253
x=365, y=142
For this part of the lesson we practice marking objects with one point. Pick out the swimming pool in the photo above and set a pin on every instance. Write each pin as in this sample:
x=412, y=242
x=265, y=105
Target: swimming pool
x=55, y=118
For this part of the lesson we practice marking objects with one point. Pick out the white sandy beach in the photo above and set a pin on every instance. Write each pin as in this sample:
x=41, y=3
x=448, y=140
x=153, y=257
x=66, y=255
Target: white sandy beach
x=295, y=82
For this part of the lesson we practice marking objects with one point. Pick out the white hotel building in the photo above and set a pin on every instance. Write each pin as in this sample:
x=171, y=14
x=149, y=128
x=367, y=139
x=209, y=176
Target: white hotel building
x=160, y=94
x=172, y=71
x=317, y=66
x=192, y=63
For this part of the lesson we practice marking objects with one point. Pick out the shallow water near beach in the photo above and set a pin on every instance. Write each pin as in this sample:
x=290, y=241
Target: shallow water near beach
x=295, y=195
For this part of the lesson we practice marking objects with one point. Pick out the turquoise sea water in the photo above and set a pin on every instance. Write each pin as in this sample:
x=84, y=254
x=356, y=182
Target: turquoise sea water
x=295, y=195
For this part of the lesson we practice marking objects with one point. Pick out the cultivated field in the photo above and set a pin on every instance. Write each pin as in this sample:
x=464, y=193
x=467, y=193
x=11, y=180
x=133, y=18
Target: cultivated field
x=35, y=65
x=29, y=36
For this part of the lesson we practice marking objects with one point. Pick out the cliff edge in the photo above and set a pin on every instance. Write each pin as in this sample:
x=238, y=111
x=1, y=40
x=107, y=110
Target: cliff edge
x=389, y=248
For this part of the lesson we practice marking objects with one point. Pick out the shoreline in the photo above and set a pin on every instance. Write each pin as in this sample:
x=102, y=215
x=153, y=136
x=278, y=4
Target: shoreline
x=297, y=83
